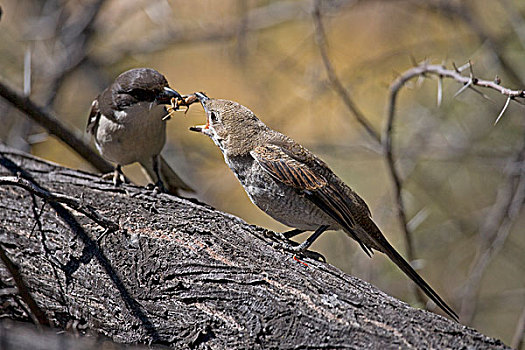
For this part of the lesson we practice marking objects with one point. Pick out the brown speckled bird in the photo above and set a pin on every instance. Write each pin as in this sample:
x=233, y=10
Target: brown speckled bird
x=294, y=186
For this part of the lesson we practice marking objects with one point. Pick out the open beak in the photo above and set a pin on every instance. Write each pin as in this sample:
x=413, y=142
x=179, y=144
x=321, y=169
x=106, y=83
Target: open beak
x=165, y=96
x=202, y=99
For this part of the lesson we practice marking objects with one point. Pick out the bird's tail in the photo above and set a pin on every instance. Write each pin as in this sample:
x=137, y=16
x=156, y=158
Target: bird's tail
x=171, y=181
x=385, y=247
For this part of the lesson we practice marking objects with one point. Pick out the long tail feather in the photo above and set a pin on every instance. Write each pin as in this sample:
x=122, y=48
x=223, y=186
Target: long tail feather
x=414, y=276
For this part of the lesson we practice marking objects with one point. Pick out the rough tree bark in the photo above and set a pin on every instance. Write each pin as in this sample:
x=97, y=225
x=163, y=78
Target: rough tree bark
x=149, y=268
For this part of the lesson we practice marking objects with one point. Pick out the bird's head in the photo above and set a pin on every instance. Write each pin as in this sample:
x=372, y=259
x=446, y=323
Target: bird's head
x=233, y=127
x=141, y=85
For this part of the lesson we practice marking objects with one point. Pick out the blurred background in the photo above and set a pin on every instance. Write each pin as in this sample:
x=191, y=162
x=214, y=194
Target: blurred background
x=463, y=179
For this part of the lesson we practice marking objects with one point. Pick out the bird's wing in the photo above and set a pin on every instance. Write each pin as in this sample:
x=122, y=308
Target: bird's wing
x=94, y=116
x=305, y=180
x=300, y=175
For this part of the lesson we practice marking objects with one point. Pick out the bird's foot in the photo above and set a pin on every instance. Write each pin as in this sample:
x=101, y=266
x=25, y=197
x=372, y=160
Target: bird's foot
x=302, y=250
x=156, y=188
x=107, y=176
x=117, y=177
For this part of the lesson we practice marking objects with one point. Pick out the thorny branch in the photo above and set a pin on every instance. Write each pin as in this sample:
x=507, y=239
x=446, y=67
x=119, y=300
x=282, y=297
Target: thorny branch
x=421, y=70
x=455, y=74
x=461, y=10
x=441, y=72
x=468, y=81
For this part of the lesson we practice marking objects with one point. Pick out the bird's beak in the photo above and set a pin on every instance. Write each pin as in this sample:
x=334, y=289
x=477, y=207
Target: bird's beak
x=165, y=96
x=199, y=128
x=202, y=99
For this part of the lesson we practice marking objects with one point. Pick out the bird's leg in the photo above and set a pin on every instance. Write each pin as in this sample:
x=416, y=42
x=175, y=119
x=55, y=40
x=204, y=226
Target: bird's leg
x=117, y=176
x=156, y=168
x=302, y=248
x=284, y=236
x=292, y=233
x=308, y=242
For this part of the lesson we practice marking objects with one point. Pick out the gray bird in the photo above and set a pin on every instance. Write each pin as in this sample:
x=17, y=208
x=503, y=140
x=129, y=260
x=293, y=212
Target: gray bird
x=294, y=186
x=128, y=122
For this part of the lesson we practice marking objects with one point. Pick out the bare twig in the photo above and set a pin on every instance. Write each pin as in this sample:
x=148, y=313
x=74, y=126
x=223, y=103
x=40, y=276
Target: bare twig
x=55, y=127
x=320, y=38
x=396, y=178
x=460, y=9
x=60, y=198
x=23, y=290
x=74, y=36
x=516, y=20
x=519, y=334
x=256, y=19
x=498, y=224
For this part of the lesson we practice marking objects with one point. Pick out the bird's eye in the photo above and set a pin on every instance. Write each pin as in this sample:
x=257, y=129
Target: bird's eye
x=213, y=117
x=143, y=94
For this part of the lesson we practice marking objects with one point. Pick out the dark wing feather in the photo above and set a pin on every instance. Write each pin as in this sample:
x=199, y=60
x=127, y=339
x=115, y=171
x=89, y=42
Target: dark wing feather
x=312, y=185
x=94, y=116
x=414, y=276
x=284, y=167
x=287, y=169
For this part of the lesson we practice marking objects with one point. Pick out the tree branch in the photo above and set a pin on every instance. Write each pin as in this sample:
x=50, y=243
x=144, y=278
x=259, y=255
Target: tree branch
x=182, y=274
x=441, y=72
x=72, y=202
x=519, y=334
x=320, y=38
x=462, y=11
x=55, y=127
x=75, y=38
x=493, y=234
x=22, y=289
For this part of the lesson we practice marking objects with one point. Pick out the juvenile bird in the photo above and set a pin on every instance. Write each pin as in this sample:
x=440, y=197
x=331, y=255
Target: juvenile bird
x=127, y=121
x=294, y=186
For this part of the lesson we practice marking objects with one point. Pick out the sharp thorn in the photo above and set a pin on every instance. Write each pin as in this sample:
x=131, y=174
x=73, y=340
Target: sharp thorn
x=502, y=111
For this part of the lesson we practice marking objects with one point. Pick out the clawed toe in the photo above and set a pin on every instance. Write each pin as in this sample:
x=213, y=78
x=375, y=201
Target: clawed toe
x=117, y=177
x=302, y=250
x=120, y=179
x=156, y=188
x=314, y=255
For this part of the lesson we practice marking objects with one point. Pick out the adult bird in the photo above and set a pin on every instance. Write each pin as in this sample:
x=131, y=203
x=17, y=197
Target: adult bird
x=128, y=123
